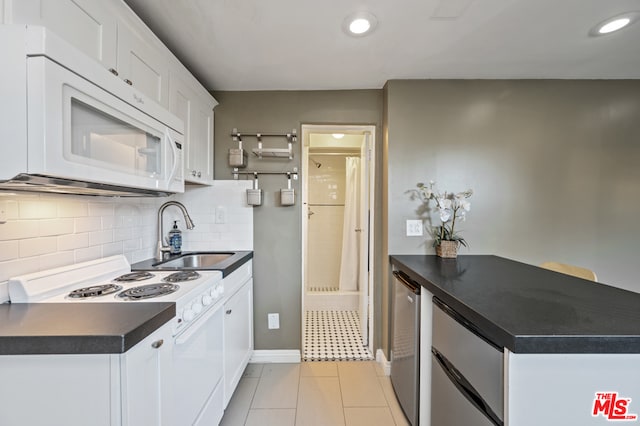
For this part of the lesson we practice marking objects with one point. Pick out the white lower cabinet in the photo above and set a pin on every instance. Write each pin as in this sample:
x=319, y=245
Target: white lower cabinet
x=99, y=390
x=238, y=331
x=146, y=383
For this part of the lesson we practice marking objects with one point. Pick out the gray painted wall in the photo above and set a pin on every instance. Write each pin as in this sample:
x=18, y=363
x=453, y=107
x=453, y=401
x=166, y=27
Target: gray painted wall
x=277, y=230
x=553, y=163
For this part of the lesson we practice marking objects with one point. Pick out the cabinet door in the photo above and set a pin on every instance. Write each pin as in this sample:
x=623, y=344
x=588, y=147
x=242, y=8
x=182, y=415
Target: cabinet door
x=86, y=24
x=198, y=129
x=201, y=151
x=146, y=382
x=142, y=66
x=238, y=337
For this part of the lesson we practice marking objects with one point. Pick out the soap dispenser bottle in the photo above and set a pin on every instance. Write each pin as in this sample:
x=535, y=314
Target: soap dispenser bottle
x=175, y=239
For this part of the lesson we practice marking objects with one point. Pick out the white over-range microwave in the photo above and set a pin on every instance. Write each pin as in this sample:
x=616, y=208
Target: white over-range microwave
x=82, y=130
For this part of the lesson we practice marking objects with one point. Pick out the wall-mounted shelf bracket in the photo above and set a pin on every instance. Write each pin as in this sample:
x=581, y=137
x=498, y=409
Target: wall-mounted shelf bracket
x=262, y=152
x=293, y=174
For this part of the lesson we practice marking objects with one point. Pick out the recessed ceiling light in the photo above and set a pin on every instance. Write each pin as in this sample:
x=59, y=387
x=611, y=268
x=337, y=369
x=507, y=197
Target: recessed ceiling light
x=614, y=24
x=359, y=24
x=337, y=135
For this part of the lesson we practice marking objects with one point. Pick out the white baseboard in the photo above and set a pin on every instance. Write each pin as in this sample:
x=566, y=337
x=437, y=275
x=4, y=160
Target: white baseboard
x=275, y=356
x=382, y=360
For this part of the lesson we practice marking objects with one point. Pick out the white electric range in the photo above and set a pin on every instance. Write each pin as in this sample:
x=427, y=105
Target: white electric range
x=196, y=368
x=110, y=280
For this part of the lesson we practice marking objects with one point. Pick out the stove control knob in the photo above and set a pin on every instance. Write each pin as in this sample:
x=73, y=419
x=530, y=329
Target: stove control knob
x=188, y=315
x=197, y=307
x=206, y=300
x=213, y=293
x=220, y=291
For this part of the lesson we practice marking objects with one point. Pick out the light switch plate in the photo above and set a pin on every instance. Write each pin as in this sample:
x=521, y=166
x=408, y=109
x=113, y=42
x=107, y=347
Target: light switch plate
x=221, y=214
x=414, y=228
x=273, y=321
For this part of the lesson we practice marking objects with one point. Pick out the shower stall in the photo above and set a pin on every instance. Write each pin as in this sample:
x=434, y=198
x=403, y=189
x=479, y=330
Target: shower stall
x=333, y=227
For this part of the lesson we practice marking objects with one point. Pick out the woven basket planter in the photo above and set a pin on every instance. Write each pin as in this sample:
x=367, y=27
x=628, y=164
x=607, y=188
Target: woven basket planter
x=447, y=249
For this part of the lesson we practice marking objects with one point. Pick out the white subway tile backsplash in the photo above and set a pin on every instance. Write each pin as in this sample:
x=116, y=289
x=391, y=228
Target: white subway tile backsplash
x=8, y=250
x=37, y=209
x=55, y=260
x=11, y=207
x=108, y=222
x=72, y=208
x=89, y=253
x=73, y=241
x=101, y=209
x=51, y=227
x=132, y=244
x=88, y=223
x=19, y=229
x=37, y=246
x=100, y=237
x=44, y=231
x=112, y=249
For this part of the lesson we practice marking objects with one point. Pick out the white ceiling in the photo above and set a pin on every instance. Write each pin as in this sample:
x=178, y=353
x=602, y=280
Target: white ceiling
x=300, y=44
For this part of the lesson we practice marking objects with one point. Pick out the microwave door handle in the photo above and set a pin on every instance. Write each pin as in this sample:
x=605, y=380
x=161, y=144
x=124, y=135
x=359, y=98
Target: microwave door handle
x=174, y=150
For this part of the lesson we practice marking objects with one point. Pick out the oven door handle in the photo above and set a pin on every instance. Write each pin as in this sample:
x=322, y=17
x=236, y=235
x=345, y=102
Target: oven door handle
x=196, y=326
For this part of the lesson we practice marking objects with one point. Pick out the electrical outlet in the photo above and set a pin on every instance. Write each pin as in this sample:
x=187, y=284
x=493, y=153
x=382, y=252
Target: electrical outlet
x=273, y=321
x=414, y=228
x=221, y=214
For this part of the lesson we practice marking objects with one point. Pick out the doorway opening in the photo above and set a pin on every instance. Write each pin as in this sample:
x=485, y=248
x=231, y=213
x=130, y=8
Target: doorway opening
x=337, y=172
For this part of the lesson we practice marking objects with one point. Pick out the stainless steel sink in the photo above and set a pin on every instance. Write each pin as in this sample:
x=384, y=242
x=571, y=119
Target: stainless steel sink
x=195, y=260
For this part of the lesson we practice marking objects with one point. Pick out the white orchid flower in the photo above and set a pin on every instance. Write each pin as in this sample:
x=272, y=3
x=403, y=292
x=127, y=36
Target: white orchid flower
x=445, y=203
x=445, y=215
x=465, y=205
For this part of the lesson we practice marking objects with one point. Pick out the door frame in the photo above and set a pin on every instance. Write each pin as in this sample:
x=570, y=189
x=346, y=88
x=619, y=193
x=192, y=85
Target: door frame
x=363, y=130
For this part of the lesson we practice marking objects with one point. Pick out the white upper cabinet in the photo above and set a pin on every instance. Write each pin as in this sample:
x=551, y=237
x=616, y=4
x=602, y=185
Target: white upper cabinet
x=86, y=24
x=142, y=66
x=111, y=33
x=196, y=111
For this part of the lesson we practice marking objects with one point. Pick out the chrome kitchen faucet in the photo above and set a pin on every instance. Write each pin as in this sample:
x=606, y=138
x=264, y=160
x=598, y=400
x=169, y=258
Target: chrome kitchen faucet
x=163, y=250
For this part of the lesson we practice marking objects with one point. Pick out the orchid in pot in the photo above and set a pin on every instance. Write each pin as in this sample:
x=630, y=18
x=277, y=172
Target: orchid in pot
x=451, y=207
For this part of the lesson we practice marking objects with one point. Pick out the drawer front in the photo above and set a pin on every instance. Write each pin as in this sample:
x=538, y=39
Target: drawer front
x=478, y=361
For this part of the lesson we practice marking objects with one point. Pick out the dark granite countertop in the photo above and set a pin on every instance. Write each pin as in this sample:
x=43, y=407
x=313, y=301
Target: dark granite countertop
x=527, y=309
x=227, y=266
x=76, y=328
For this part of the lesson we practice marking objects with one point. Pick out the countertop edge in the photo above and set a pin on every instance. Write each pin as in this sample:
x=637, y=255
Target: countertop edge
x=524, y=344
x=59, y=344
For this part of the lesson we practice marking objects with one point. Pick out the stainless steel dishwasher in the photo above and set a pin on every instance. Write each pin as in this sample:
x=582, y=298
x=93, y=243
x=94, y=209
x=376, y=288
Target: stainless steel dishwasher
x=405, y=348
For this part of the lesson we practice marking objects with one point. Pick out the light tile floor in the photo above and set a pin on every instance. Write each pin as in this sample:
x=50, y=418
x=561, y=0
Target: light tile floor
x=314, y=394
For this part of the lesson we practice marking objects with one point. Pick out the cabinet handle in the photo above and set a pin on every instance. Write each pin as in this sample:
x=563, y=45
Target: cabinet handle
x=199, y=174
x=157, y=344
x=129, y=82
x=193, y=173
x=228, y=312
x=113, y=71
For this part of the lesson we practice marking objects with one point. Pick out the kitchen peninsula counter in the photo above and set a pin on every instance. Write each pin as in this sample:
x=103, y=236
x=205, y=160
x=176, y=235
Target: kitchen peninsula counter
x=527, y=309
x=76, y=328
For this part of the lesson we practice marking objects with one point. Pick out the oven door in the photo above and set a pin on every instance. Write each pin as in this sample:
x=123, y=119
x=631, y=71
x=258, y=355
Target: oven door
x=81, y=132
x=198, y=366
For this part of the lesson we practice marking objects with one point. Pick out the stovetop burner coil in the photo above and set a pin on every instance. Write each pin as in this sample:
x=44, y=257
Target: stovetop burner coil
x=148, y=291
x=134, y=276
x=181, y=276
x=95, y=291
